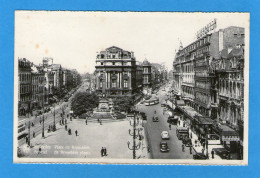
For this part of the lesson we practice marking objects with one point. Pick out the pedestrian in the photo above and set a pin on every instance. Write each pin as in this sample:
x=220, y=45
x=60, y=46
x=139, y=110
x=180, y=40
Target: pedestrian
x=170, y=126
x=26, y=140
x=183, y=147
x=212, y=154
x=179, y=122
x=40, y=121
x=65, y=127
x=32, y=124
x=40, y=150
x=203, y=150
x=102, y=151
x=76, y=132
x=100, y=122
x=105, y=151
x=33, y=134
x=86, y=122
x=190, y=149
x=191, y=135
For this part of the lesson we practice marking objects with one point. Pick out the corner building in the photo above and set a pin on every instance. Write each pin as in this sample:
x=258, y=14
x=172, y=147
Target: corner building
x=115, y=72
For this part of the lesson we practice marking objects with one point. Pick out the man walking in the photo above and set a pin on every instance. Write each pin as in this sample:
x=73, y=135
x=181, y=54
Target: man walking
x=102, y=151
x=76, y=132
x=105, y=151
x=170, y=126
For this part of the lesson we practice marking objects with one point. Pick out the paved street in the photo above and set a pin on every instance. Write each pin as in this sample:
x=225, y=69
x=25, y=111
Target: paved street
x=155, y=129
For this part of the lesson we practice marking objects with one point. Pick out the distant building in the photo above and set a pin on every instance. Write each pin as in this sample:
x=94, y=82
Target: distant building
x=24, y=88
x=38, y=87
x=147, y=77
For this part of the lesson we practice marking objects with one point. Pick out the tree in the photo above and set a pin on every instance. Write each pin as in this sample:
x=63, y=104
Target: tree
x=83, y=102
x=123, y=103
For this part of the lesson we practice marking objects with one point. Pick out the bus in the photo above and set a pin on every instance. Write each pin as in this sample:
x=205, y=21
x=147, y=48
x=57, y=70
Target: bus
x=151, y=101
x=22, y=130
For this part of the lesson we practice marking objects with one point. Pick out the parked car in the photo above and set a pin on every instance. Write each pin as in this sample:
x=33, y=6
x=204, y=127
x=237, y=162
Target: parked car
x=199, y=156
x=155, y=119
x=164, y=147
x=222, y=152
x=172, y=120
x=165, y=135
x=182, y=132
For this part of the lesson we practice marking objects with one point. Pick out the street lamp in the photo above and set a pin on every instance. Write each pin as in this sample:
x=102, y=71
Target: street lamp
x=135, y=133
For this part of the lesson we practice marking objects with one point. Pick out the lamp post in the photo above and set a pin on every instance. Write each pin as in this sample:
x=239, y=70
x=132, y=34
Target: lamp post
x=43, y=136
x=54, y=125
x=135, y=133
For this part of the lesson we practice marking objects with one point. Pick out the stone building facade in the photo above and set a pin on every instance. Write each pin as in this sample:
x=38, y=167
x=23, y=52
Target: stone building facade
x=115, y=72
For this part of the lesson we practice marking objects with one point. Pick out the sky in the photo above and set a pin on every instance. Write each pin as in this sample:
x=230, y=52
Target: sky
x=73, y=39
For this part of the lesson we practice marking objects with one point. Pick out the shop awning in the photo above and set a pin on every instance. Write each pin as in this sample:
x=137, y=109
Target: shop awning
x=180, y=103
x=227, y=131
x=204, y=120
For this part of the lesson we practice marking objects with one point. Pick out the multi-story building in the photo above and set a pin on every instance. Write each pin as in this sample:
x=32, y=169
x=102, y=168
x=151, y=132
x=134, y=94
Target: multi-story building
x=147, y=77
x=25, y=83
x=58, y=75
x=139, y=77
x=192, y=72
x=115, y=72
x=230, y=81
x=38, y=87
x=214, y=92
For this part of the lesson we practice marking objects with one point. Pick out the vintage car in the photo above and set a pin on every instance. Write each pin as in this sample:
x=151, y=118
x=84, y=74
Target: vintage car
x=199, y=156
x=182, y=132
x=164, y=147
x=165, y=135
x=222, y=152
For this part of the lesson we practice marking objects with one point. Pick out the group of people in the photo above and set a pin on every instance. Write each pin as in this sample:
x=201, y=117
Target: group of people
x=103, y=151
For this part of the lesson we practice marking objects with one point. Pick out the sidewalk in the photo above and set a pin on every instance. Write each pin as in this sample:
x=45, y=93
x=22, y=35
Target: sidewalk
x=197, y=147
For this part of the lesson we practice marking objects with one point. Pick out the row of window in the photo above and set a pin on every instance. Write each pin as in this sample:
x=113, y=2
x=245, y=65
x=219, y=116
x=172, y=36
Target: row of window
x=25, y=98
x=113, y=83
x=232, y=89
x=195, y=45
x=38, y=79
x=25, y=89
x=25, y=77
x=115, y=63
